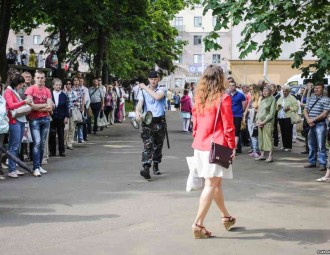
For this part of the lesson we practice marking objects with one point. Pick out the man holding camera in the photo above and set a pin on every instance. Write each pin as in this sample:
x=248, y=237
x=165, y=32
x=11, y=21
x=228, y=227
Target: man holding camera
x=152, y=98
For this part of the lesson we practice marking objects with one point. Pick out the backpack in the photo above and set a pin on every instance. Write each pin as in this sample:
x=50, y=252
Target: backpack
x=4, y=121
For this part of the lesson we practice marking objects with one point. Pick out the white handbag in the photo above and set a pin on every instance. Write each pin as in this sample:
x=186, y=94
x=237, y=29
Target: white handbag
x=194, y=182
x=21, y=111
x=102, y=120
x=76, y=115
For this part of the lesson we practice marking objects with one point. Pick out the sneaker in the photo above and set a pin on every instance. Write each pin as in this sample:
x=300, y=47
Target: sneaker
x=2, y=177
x=323, y=179
x=323, y=168
x=310, y=166
x=12, y=174
x=18, y=172
x=254, y=155
x=4, y=166
x=287, y=150
x=44, y=162
x=36, y=172
x=43, y=171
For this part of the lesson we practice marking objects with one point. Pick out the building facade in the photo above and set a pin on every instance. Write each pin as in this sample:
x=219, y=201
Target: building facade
x=192, y=27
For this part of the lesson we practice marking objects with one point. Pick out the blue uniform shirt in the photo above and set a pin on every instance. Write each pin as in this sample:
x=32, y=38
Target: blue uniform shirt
x=157, y=107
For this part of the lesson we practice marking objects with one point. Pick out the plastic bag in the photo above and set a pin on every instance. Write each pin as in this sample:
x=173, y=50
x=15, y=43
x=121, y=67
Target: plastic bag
x=194, y=182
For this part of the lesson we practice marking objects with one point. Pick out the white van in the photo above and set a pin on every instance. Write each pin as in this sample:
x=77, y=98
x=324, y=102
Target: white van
x=297, y=80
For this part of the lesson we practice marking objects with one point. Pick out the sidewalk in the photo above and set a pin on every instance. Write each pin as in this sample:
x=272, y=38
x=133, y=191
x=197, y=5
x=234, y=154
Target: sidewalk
x=95, y=202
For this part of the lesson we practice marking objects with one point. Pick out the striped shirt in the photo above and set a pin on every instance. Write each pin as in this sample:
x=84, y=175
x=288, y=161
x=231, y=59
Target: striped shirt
x=322, y=105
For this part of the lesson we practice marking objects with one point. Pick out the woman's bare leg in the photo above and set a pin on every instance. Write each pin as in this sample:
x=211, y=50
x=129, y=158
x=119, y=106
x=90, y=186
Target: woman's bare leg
x=206, y=198
x=219, y=199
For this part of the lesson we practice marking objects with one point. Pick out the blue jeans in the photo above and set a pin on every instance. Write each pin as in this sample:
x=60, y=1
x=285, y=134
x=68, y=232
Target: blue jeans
x=16, y=132
x=79, y=133
x=316, y=143
x=254, y=144
x=39, y=130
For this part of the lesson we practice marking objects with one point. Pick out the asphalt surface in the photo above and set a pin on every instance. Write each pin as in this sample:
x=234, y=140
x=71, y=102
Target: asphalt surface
x=95, y=202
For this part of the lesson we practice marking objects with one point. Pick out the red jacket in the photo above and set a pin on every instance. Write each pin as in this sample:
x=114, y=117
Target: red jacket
x=11, y=104
x=204, y=121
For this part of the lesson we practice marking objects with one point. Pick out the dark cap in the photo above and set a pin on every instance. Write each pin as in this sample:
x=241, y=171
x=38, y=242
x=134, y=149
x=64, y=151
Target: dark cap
x=153, y=74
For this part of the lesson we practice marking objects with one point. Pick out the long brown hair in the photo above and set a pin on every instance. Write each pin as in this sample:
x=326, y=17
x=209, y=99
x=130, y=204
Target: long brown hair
x=210, y=86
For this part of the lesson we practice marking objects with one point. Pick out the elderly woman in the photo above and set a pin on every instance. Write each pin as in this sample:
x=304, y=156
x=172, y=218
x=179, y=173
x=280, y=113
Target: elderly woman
x=265, y=122
x=287, y=107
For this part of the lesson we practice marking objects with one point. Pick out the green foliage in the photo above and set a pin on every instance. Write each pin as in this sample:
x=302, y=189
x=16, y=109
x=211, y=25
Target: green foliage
x=281, y=21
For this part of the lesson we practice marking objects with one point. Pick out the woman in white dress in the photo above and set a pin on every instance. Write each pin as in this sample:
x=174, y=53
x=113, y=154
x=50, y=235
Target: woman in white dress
x=210, y=90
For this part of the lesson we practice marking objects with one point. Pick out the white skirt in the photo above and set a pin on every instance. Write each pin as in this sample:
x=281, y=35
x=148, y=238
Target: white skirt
x=207, y=170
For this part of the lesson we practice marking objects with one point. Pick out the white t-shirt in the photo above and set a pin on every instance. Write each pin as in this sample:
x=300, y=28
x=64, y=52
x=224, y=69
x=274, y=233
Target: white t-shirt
x=41, y=61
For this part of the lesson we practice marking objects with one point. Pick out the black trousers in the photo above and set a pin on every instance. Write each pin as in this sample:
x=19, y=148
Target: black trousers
x=286, y=132
x=153, y=137
x=107, y=110
x=56, y=127
x=96, y=108
x=275, y=133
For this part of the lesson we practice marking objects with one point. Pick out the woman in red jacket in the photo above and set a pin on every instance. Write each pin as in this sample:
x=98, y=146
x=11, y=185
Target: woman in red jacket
x=210, y=90
x=16, y=125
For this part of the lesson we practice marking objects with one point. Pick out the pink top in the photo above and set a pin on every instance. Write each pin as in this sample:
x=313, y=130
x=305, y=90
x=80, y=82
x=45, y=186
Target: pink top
x=12, y=103
x=185, y=104
x=204, y=121
x=39, y=96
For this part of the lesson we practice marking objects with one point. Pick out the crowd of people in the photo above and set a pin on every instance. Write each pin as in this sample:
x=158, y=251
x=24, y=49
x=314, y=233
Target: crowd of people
x=263, y=113
x=33, y=116
x=29, y=58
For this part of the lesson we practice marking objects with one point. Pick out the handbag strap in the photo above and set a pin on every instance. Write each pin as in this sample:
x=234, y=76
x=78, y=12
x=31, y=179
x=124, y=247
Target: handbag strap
x=314, y=104
x=216, y=119
x=94, y=92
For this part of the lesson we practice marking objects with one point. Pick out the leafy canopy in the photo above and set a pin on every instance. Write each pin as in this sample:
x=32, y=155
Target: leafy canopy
x=282, y=21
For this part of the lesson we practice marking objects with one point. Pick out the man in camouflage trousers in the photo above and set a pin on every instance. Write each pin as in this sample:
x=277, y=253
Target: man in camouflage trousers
x=152, y=98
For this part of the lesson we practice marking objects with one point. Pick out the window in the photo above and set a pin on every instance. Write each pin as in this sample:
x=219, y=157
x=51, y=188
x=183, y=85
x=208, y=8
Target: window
x=198, y=21
x=178, y=23
x=19, y=40
x=214, y=21
x=178, y=38
x=197, y=58
x=36, y=39
x=178, y=82
x=197, y=39
x=216, y=58
x=179, y=59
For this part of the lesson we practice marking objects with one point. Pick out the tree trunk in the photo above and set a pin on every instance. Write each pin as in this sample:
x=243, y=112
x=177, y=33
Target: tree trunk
x=5, y=16
x=100, y=56
x=105, y=67
x=61, y=53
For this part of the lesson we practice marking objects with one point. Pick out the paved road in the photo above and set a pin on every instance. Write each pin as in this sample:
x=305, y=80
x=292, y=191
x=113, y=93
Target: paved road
x=95, y=202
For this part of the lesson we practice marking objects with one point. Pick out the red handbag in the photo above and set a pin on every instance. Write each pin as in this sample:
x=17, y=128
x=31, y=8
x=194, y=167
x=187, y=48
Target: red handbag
x=220, y=154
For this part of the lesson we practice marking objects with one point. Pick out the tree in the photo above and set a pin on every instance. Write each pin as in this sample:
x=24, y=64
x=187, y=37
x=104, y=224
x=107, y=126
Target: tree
x=282, y=21
x=18, y=15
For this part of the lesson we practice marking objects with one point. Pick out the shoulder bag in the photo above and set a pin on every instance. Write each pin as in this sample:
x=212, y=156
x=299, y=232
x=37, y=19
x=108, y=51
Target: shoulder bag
x=76, y=115
x=306, y=127
x=219, y=154
x=20, y=111
x=102, y=120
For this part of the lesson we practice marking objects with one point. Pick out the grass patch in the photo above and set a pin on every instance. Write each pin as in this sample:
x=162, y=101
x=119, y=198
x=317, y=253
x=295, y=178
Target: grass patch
x=129, y=106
